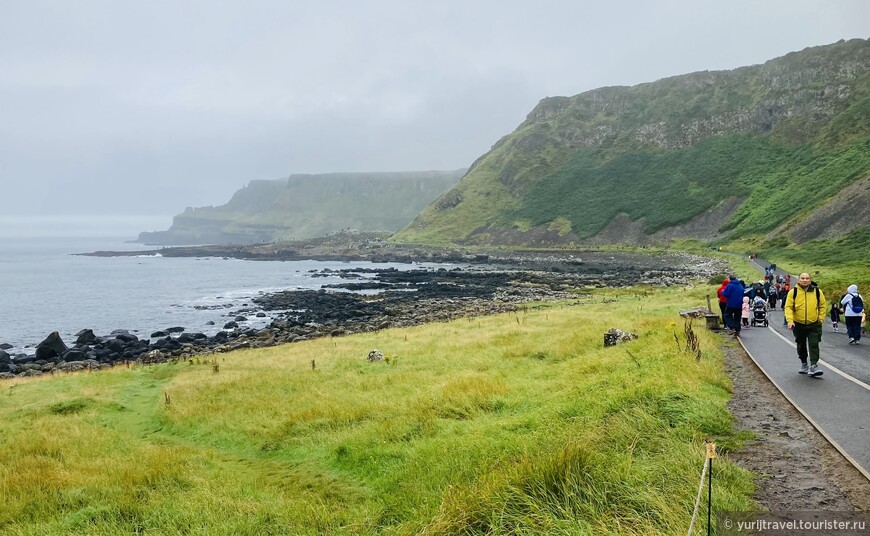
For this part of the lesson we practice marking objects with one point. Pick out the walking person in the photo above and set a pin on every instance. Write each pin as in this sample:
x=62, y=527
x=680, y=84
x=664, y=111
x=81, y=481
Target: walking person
x=734, y=295
x=773, y=296
x=804, y=312
x=835, y=316
x=744, y=312
x=723, y=301
x=853, y=307
x=783, y=294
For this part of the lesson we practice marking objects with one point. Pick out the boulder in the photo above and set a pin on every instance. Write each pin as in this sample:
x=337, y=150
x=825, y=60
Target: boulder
x=74, y=355
x=86, y=336
x=157, y=334
x=175, y=329
x=126, y=337
x=697, y=312
x=116, y=345
x=186, y=338
x=5, y=358
x=616, y=336
x=231, y=325
x=375, y=355
x=51, y=348
x=6, y=346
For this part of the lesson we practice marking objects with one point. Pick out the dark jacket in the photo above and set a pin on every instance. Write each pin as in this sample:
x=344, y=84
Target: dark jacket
x=734, y=294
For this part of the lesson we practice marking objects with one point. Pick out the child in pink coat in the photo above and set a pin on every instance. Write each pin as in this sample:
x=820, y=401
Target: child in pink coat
x=745, y=313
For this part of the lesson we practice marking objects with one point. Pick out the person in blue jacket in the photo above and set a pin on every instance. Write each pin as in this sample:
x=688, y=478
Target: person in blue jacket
x=734, y=306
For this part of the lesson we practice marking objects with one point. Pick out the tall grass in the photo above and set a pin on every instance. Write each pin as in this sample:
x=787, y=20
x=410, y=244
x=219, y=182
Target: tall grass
x=520, y=423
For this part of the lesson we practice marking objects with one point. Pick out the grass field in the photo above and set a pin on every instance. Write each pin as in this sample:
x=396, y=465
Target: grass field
x=513, y=424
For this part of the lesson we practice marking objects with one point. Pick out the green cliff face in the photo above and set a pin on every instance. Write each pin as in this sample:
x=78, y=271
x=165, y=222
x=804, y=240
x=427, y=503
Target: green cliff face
x=307, y=206
x=754, y=151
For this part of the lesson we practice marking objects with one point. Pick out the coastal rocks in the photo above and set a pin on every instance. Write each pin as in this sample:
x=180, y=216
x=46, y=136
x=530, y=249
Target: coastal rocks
x=5, y=362
x=52, y=347
x=391, y=298
x=86, y=336
x=74, y=355
x=616, y=336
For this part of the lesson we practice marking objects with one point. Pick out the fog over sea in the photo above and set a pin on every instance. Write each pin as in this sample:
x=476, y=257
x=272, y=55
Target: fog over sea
x=45, y=288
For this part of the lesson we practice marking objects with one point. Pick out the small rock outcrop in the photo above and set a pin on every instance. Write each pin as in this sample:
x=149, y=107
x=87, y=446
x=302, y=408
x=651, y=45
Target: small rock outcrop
x=375, y=355
x=616, y=336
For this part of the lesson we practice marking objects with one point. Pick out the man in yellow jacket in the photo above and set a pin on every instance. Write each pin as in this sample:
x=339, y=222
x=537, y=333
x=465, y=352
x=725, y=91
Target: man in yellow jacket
x=805, y=310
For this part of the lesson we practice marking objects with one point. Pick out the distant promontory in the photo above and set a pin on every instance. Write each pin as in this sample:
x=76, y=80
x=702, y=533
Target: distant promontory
x=309, y=205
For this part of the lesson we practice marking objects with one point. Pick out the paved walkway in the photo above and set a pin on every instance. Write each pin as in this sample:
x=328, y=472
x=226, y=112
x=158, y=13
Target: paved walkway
x=838, y=403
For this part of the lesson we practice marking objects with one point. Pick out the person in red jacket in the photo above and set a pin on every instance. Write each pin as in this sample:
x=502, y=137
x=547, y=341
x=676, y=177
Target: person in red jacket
x=723, y=301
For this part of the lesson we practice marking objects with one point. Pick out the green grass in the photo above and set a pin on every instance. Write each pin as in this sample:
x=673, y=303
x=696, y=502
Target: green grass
x=518, y=423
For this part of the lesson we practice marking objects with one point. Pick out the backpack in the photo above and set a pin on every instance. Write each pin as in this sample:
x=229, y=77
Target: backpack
x=857, y=303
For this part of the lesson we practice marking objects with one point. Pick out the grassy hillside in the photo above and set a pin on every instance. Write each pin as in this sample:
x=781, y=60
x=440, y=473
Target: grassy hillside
x=519, y=423
x=782, y=137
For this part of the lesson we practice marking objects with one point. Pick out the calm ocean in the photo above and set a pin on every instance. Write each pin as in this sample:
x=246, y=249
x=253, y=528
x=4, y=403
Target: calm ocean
x=44, y=288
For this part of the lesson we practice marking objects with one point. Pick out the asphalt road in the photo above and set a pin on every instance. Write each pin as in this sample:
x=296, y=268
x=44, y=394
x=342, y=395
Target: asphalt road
x=838, y=402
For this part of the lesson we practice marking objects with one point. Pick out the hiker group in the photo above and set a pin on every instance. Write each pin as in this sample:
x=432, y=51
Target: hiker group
x=804, y=310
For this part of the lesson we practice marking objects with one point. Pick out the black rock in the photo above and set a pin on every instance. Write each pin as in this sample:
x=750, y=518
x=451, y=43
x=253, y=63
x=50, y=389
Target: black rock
x=231, y=325
x=51, y=348
x=126, y=337
x=210, y=323
x=5, y=346
x=4, y=357
x=241, y=318
x=23, y=359
x=115, y=345
x=74, y=355
x=261, y=315
x=176, y=329
x=157, y=334
x=85, y=336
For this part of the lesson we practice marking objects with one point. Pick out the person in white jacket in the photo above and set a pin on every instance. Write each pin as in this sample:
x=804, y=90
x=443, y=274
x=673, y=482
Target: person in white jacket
x=853, y=305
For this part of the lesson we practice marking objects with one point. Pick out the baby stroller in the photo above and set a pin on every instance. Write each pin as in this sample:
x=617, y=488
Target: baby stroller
x=759, y=313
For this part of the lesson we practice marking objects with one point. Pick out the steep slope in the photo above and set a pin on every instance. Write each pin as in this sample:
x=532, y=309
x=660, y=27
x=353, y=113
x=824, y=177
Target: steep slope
x=710, y=155
x=307, y=206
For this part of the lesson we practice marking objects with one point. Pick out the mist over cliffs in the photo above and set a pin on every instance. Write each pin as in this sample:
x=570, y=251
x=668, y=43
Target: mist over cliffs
x=307, y=206
x=765, y=150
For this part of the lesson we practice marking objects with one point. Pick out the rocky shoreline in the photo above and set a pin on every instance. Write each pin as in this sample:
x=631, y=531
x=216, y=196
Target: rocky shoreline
x=487, y=284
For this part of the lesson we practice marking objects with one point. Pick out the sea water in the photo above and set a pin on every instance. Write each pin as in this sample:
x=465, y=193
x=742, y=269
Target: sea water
x=44, y=287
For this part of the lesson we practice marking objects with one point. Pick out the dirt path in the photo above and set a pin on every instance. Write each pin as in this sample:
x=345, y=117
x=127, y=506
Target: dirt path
x=800, y=471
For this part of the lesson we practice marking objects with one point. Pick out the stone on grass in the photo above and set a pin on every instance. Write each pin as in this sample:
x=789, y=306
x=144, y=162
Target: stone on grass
x=616, y=336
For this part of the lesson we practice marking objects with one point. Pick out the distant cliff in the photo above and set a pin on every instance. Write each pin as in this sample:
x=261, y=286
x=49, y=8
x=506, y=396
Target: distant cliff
x=764, y=151
x=307, y=206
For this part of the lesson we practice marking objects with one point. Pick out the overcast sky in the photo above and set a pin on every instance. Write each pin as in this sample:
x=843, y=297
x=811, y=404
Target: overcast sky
x=134, y=110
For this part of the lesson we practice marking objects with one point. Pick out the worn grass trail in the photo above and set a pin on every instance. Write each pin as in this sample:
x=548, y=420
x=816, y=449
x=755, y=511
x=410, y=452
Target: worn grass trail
x=518, y=423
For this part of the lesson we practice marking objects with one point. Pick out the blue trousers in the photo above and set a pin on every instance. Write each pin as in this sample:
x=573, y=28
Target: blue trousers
x=732, y=318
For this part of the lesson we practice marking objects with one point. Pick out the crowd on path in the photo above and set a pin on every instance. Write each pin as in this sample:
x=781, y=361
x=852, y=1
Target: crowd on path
x=804, y=306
